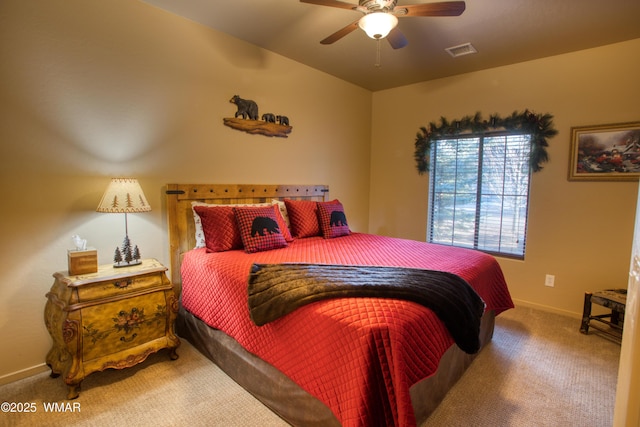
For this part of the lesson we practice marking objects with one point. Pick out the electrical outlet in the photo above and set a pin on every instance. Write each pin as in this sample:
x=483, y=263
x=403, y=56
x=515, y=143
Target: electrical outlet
x=550, y=280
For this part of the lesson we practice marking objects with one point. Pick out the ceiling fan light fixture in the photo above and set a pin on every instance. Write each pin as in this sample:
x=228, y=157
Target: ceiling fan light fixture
x=377, y=25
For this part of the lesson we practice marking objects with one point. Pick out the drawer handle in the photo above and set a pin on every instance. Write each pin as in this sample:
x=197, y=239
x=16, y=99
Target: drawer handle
x=123, y=284
x=124, y=339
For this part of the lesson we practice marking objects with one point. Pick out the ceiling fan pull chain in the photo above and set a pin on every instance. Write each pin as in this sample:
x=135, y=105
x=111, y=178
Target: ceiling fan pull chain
x=378, y=53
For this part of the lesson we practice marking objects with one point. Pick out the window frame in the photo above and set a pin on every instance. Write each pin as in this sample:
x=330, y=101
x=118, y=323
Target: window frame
x=481, y=136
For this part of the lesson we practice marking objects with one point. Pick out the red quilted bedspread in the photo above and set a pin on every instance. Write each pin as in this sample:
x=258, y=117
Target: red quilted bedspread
x=359, y=356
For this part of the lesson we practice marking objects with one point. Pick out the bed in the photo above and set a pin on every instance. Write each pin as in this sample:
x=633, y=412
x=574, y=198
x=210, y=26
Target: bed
x=350, y=359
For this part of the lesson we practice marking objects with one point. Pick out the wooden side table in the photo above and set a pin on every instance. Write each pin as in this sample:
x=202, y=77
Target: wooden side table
x=613, y=299
x=114, y=318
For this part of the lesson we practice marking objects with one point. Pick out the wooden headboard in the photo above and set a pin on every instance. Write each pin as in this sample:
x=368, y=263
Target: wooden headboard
x=180, y=215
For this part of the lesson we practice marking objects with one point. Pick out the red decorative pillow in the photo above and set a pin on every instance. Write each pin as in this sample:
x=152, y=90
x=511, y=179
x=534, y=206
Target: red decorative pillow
x=219, y=226
x=199, y=233
x=259, y=229
x=303, y=218
x=333, y=222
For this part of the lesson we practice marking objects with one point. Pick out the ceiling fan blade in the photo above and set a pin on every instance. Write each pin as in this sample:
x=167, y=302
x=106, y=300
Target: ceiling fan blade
x=396, y=39
x=340, y=33
x=445, y=8
x=330, y=3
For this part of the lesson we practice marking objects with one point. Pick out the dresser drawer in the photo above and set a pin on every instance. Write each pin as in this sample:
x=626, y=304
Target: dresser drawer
x=120, y=286
x=115, y=326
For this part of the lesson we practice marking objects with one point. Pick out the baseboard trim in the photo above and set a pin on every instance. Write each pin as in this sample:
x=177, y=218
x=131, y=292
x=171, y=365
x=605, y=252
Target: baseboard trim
x=546, y=308
x=23, y=373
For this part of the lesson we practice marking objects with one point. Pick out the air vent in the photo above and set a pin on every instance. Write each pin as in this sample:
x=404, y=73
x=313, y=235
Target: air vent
x=460, y=50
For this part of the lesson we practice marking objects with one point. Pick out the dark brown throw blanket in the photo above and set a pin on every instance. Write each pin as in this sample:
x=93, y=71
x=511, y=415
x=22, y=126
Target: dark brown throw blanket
x=278, y=289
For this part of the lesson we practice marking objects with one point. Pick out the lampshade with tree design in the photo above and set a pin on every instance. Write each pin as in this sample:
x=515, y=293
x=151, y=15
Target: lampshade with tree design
x=124, y=195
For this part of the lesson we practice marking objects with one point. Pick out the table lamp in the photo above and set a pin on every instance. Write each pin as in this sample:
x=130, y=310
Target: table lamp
x=124, y=195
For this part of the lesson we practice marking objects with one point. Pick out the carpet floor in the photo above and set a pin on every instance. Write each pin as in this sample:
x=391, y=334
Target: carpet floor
x=538, y=371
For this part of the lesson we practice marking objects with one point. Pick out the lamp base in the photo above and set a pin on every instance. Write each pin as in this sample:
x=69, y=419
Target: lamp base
x=126, y=257
x=127, y=264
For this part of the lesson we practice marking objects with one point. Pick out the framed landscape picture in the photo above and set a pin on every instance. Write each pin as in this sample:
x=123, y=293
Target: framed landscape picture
x=605, y=152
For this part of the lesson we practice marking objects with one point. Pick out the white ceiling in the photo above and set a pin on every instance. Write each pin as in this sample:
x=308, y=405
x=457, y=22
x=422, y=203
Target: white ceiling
x=503, y=32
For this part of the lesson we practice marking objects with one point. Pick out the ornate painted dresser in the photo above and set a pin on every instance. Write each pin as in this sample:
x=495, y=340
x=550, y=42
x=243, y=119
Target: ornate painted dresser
x=114, y=318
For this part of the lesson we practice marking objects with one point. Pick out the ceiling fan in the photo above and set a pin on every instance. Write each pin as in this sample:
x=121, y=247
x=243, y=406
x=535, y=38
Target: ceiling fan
x=380, y=18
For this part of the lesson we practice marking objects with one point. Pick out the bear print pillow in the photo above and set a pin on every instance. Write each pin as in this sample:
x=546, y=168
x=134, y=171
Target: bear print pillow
x=332, y=220
x=259, y=228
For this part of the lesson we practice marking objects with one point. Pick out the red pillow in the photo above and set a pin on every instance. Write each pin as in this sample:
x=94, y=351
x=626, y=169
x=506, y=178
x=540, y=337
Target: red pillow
x=219, y=226
x=333, y=222
x=259, y=229
x=303, y=217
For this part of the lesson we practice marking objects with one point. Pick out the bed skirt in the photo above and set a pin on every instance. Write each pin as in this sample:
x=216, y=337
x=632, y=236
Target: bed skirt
x=293, y=404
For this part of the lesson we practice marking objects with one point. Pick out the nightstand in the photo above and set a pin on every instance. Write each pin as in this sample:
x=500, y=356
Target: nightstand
x=114, y=318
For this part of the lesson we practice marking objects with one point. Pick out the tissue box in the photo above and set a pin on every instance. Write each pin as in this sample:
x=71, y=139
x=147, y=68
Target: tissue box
x=83, y=262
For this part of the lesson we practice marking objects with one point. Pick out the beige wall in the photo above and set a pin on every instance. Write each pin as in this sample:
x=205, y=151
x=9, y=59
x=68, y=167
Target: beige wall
x=92, y=89
x=581, y=232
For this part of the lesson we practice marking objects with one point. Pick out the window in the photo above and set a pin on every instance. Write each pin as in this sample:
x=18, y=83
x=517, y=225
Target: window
x=479, y=192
